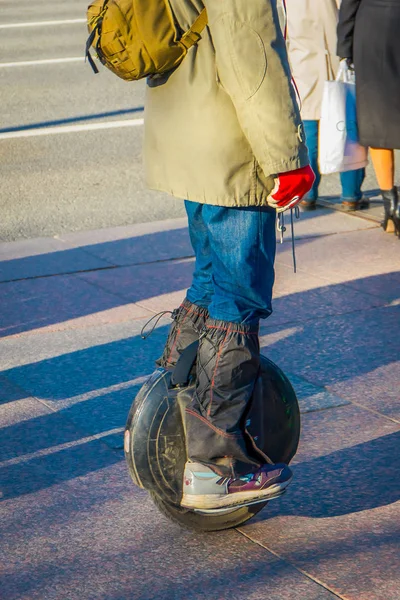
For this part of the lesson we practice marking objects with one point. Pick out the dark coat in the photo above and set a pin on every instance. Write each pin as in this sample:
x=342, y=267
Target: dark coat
x=369, y=34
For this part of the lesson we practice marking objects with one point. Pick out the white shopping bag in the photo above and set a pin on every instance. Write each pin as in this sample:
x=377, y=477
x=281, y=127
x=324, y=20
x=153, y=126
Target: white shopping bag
x=339, y=149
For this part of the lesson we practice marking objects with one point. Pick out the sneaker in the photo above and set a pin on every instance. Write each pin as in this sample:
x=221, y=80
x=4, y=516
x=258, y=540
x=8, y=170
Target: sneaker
x=203, y=489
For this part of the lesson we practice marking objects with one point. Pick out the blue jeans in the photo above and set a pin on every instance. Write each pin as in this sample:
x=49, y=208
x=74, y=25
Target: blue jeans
x=351, y=180
x=235, y=253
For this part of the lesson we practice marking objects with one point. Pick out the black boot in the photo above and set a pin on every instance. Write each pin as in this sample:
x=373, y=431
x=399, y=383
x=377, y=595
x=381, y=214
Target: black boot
x=189, y=320
x=228, y=363
x=391, y=219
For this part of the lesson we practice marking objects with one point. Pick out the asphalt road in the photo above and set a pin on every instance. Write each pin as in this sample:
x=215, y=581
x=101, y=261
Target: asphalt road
x=59, y=180
x=82, y=179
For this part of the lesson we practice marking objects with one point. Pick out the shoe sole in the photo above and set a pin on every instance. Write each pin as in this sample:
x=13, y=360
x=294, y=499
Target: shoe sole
x=215, y=501
x=230, y=509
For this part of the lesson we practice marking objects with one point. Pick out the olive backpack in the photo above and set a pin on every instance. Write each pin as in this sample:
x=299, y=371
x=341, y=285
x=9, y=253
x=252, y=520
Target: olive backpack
x=138, y=38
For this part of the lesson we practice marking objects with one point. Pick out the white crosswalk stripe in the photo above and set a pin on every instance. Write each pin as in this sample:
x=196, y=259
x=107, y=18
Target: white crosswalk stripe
x=24, y=133
x=41, y=23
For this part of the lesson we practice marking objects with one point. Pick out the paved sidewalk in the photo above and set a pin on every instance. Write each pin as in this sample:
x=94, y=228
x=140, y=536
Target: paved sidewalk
x=72, y=524
x=373, y=212
x=330, y=192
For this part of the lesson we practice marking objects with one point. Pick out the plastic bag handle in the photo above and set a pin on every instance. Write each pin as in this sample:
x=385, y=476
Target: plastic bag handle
x=344, y=73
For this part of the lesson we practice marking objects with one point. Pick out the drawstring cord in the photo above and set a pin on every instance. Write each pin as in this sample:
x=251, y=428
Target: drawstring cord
x=157, y=316
x=297, y=216
x=280, y=225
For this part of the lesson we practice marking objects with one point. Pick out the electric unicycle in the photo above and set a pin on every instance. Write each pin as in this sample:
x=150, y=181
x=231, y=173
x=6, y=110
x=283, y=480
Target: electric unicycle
x=154, y=441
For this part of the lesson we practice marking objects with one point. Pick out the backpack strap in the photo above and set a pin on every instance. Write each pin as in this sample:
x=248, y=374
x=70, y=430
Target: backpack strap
x=192, y=35
x=95, y=24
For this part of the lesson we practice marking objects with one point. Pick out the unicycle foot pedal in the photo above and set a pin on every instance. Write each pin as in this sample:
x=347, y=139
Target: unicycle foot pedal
x=220, y=511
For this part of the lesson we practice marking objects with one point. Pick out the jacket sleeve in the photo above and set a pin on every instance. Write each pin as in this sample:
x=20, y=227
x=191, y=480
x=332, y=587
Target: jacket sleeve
x=252, y=67
x=345, y=30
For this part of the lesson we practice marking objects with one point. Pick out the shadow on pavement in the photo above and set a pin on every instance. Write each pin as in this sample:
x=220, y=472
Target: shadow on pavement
x=200, y=566
x=121, y=274
x=42, y=472
x=92, y=389
x=45, y=289
x=171, y=570
x=77, y=119
x=350, y=480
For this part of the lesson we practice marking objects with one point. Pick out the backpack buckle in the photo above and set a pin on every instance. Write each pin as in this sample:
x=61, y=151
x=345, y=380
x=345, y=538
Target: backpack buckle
x=190, y=38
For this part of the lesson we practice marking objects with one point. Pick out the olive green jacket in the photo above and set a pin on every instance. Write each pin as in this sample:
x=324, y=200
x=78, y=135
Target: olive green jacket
x=226, y=121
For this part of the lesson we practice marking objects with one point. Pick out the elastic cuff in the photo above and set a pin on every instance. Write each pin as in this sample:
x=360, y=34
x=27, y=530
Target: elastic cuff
x=186, y=304
x=245, y=328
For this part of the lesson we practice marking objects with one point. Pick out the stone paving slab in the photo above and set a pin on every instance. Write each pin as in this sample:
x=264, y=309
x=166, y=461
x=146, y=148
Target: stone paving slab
x=329, y=432
x=163, y=286
x=134, y=244
x=324, y=221
x=91, y=250
x=93, y=385
x=340, y=521
x=33, y=304
x=16, y=410
x=374, y=212
x=297, y=295
x=153, y=246
x=90, y=383
x=346, y=257
x=141, y=282
x=43, y=257
x=378, y=390
x=27, y=350
x=9, y=392
x=74, y=525
x=97, y=237
x=312, y=397
x=119, y=314
x=29, y=427
x=92, y=375
x=288, y=282
x=31, y=249
x=164, y=302
x=340, y=348
x=385, y=286
x=90, y=534
x=319, y=303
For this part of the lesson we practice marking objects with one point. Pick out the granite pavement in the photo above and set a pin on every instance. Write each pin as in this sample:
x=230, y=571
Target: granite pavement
x=73, y=526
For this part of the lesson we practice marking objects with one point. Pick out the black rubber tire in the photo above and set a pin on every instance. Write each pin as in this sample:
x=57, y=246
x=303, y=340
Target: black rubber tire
x=155, y=450
x=188, y=519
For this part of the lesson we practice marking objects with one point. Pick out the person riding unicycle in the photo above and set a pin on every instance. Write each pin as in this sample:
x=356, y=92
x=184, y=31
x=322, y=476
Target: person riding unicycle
x=224, y=133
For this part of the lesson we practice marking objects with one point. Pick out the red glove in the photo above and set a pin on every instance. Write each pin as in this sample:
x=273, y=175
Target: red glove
x=290, y=188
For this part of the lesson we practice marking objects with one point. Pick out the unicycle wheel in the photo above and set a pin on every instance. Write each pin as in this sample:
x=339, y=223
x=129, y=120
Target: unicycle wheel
x=155, y=447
